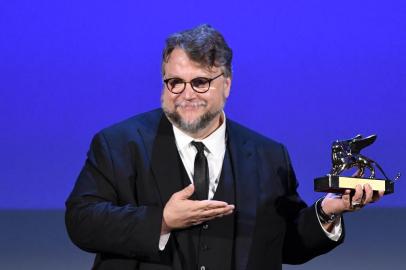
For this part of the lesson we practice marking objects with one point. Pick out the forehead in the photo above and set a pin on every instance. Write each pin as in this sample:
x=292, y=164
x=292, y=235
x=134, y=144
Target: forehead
x=179, y=64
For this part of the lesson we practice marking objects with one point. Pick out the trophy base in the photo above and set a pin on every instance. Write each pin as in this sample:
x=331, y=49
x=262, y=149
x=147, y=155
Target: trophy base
x=337, y=184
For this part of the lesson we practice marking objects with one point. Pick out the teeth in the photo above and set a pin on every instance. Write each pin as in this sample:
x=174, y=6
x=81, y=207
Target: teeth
x=194, y=105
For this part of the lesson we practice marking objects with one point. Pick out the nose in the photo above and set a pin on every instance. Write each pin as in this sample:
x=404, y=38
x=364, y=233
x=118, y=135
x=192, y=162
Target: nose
x=189, y=93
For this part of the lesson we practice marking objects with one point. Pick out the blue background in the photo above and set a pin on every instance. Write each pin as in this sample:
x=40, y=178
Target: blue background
x=305, y=73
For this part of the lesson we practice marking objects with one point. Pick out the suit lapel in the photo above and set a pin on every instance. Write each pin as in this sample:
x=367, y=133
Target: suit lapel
x=166, y=172
x=163, y=159
x=243, y=159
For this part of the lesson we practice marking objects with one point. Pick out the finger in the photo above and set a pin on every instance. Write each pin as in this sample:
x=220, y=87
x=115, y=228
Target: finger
x=346, y=200
x=195, y=222
x=186, y=192
x=368, y=194
x=359, y=193
x=197, y=208
x=357, y=199
x=229, y=212
x=201, y=219
x=215, y=212
x=209, y=218
x=218, y=216
x=210, y=204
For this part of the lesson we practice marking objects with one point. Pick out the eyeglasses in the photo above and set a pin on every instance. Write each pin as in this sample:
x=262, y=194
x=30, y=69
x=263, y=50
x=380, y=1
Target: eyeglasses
x=199, y=84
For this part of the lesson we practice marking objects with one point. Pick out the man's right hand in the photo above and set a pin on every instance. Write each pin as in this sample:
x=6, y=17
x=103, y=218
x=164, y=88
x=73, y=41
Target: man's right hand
x=181, y=212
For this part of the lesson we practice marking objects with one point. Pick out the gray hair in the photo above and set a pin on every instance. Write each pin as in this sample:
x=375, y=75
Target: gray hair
x=204, y=45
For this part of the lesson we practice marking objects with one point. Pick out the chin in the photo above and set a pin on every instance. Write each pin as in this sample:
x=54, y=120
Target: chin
x=190, y=122
x=190, y=116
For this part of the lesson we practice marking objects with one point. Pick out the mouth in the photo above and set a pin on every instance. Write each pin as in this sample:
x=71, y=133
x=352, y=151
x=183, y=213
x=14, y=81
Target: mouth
x=185, y=105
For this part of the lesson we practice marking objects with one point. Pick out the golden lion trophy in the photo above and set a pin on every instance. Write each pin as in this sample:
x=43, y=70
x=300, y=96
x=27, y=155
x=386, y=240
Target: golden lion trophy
x=346, y=155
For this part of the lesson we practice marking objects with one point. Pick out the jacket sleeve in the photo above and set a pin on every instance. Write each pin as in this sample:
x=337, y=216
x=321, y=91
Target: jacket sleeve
x=304, y=238
x=97, y=222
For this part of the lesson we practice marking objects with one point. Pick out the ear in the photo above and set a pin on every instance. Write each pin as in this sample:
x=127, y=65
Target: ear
x=227, y=86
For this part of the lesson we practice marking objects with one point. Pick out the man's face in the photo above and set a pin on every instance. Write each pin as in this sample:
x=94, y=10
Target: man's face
x=192, y=112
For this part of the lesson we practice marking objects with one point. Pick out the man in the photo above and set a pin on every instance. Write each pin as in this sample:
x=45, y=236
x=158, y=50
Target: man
x=183, y=187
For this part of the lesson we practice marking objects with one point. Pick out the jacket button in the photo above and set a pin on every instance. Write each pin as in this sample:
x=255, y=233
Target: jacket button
x=204, y=247
x=206, y=226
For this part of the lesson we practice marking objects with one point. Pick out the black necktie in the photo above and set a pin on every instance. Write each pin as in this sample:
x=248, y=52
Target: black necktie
x=201, y=173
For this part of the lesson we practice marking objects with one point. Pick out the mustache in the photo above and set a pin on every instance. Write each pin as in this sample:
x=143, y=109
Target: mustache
x=187, y=103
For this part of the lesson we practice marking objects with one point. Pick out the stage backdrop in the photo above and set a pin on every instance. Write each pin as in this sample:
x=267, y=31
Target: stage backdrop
x=305, y=73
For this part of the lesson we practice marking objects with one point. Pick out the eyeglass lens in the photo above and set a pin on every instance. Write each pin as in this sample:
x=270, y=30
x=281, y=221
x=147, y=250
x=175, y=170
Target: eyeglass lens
x=199, y=84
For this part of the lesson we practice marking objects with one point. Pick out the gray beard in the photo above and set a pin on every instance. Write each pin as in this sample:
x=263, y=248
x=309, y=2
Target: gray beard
x=196, y=126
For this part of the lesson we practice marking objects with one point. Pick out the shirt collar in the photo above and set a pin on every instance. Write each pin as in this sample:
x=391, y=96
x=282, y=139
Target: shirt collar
x=215, y=142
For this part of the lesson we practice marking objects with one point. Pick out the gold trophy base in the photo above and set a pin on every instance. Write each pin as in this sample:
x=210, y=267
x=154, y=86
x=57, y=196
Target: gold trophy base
x=337, y=184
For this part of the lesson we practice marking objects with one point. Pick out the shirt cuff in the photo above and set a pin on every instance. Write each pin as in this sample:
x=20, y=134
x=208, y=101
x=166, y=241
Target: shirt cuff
x=337, y=230
x=163, y=240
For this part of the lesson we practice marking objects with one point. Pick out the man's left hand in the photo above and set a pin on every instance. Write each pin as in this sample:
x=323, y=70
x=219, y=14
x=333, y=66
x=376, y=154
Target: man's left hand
x=350, y=201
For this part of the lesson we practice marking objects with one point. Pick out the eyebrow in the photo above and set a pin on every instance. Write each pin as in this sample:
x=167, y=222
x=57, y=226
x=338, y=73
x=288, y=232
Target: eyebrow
x=178, y=77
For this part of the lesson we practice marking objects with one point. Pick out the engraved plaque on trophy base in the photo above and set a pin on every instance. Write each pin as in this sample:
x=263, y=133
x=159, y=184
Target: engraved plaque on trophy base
x=337, y=184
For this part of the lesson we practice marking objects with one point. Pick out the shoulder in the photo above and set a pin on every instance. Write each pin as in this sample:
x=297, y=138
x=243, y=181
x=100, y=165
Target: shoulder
x=128, y=129
x=269, y=150
x=143, y=120
x=246, y=134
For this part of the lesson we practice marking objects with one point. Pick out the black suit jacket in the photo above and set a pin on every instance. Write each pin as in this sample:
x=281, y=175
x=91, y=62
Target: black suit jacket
x=115, y=208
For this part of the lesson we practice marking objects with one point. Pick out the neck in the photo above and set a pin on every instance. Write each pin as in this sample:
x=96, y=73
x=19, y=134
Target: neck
x=205, y=132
